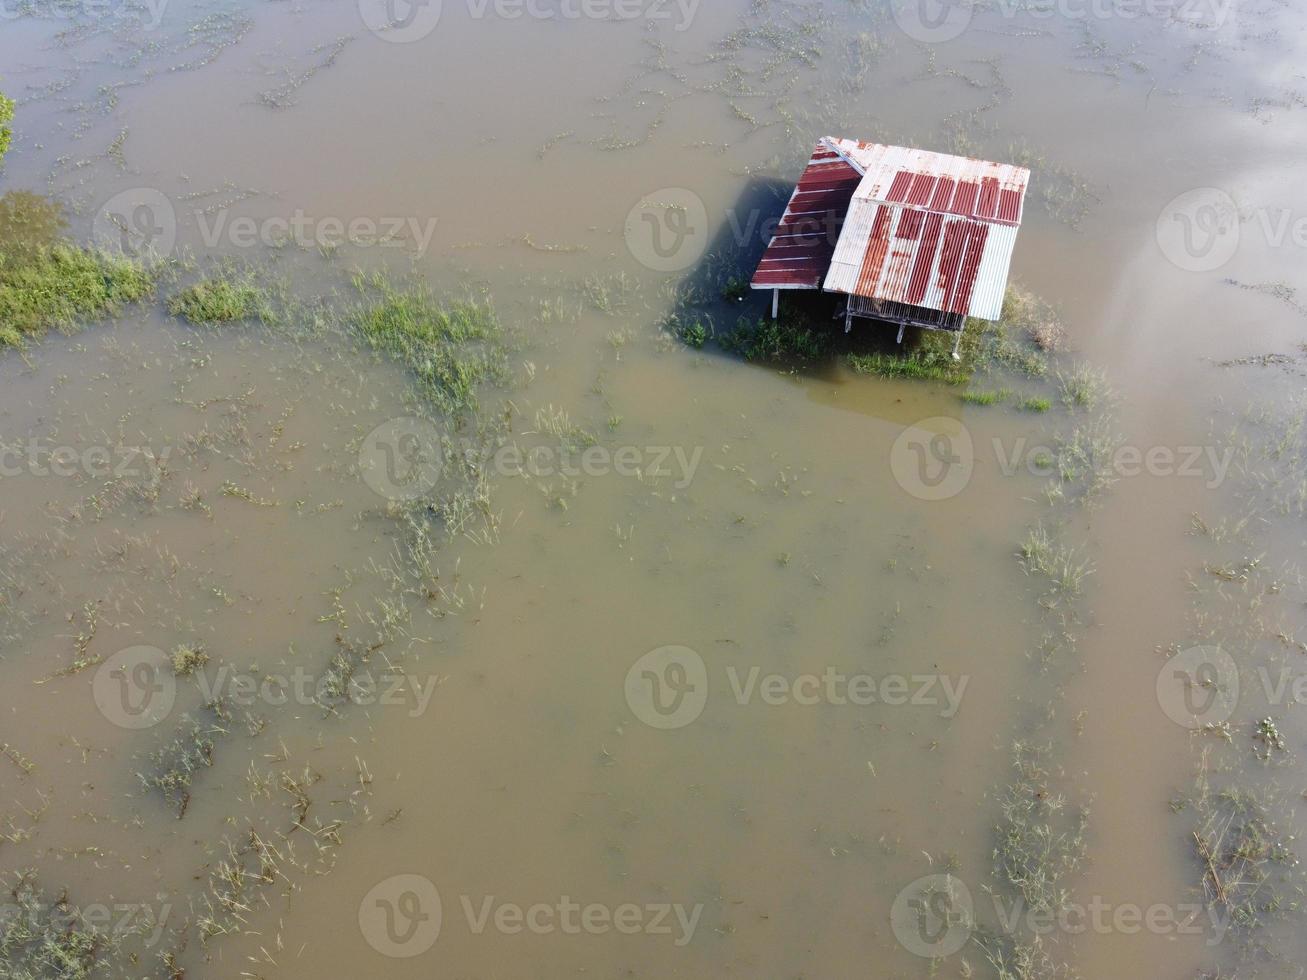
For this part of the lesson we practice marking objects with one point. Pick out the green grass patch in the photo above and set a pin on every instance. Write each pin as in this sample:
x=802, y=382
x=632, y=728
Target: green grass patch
x=986, y=397
x=789, y=338
x=1035, y=404
x=6, y=117
x=452, y=346
x=1083, y=386
x=928, y=358
x=220, y=299
x=735, y=289
x=47, y=936
x=897, y=366
x=56, y=286
x=695, y=334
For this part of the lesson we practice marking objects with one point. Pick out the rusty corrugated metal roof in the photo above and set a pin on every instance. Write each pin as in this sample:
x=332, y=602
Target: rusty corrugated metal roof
x=928, y=229
x=800, y=252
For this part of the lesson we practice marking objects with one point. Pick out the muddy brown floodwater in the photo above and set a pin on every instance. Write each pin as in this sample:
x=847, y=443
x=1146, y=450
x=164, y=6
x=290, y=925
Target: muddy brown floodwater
x=668, y=663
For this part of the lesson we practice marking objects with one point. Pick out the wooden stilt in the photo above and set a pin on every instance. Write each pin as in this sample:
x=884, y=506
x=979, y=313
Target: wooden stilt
x=956, y=344
x=848, y=319
x=775, y=303
x=902, y=327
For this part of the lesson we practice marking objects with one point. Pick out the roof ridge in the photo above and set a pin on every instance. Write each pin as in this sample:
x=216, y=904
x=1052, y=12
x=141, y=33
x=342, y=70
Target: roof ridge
x=834, y=143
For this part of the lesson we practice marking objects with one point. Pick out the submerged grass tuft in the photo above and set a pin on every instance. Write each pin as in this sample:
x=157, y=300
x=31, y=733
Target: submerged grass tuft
x=174, y=765
x=44, y=938
x=220, y=299
x=188, y=658
x=1043, y=555
x=453, y=347
x=790, y=337
x=986, y=397
x=1082, y=386
x=1019, y=342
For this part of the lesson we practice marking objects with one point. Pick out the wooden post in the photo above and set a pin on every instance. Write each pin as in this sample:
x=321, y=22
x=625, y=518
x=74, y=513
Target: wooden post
x=775, y=303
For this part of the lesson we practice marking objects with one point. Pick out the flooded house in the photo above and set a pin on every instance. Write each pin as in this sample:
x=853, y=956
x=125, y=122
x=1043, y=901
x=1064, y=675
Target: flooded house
x=907, y=236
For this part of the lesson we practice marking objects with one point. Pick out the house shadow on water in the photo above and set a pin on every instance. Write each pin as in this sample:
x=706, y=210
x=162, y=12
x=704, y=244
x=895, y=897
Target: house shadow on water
x=714, y=309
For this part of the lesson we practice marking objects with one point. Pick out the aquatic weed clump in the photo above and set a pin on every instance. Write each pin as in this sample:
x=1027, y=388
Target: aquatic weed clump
x=188, y=658
x=1040, y=845
x=453, y=347
x=173, y=766
x=41, y=938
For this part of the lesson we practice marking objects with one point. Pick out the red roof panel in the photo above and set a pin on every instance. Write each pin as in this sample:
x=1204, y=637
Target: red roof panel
x=800, y=251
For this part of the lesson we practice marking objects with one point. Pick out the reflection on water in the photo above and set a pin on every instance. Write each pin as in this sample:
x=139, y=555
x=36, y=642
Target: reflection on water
x=664, y=663
x=29, y=222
